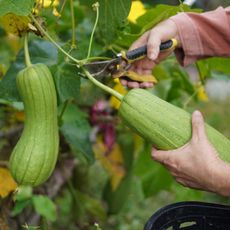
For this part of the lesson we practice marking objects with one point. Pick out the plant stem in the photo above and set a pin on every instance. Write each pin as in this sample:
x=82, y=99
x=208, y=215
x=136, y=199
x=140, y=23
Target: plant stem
x=102, y=86
x=181, y=6
x=190, y=98
x=26, y=50
x=73, y=43
x=63, y=110
x=96, y=6
x=52, y=40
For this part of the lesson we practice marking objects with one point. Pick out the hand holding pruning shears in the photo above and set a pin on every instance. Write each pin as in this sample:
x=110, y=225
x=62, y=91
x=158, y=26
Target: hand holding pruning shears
x=133, y=67
x=164, y=31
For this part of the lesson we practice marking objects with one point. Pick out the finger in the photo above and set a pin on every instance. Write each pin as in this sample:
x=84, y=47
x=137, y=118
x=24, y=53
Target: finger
x=132, y=84
x=146, y=84
x=144, y=71
x=153, y=46
x=163, y=157
x=123, y=82
x=144, y=63
x=140, y=41
x=198, y=126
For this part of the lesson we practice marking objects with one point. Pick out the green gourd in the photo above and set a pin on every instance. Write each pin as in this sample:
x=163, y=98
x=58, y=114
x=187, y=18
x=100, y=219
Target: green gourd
x=163, y=124
x=34, y=156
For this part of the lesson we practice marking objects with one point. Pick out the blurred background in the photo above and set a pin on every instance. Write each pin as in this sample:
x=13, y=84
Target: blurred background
x=104, y=174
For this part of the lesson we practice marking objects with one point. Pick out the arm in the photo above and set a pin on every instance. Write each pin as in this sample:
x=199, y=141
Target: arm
x=203, y=35
x=197, y=164
x=199, y=36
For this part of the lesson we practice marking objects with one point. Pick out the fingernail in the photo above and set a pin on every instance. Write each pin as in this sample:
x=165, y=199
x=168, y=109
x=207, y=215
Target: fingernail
x=152, y=55
x=197, y=113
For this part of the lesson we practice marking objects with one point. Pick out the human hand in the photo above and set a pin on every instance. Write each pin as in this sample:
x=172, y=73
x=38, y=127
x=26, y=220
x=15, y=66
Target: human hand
x=164, y=31
x=197, y=164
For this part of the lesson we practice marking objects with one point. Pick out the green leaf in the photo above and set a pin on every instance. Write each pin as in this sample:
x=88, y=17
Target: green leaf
x=24, y=193
x=40, y=52
x=87, y=2
x=45, y=207
x=116, y=199
x=76, y=130
x=67, y=81
x=91, y=205
x=22, y=7
x=126, y=142
x=207, y=66
x=148, y=20
x=112, y=18
x=153, y=176
x=19, y=206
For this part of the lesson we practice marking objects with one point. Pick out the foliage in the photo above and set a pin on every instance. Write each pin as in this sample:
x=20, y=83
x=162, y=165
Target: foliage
x=104, y=173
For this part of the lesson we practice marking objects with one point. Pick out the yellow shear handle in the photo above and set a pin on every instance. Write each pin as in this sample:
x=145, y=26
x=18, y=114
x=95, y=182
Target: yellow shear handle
x=139, y=53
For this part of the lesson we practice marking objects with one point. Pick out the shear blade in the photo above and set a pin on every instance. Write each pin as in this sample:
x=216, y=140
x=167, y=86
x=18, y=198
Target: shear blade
x=103, y=68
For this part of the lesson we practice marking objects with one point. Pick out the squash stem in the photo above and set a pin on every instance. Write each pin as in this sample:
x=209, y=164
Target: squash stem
x=96, y=7
x=102, y=86
x=52, y=40
x=26, y=50
x=73, y=42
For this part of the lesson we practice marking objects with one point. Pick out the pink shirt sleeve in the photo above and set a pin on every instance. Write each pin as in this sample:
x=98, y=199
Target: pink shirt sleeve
x=203, y=35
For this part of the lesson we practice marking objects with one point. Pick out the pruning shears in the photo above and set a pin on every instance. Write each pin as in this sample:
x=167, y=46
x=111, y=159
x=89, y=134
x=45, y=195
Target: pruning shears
x=120, y=65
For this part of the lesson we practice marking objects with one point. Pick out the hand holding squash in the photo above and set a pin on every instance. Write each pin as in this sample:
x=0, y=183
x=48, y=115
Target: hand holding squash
x=197, y=163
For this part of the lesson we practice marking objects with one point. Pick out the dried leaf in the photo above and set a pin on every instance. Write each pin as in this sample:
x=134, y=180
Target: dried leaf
x=14, y=24
x=7, y=183
x=112, y=161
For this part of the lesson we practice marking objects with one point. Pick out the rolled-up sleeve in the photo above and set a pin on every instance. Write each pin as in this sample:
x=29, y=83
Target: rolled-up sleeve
x=203, y=35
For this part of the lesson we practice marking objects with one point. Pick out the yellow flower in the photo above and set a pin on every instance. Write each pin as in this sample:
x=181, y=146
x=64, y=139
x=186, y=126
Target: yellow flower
x=137, y=9
x=201, y=93
x=114, y=102
x=48, y=3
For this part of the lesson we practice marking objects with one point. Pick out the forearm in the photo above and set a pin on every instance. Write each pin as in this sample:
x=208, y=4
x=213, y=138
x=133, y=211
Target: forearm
x=222, y=180
x=203, y=35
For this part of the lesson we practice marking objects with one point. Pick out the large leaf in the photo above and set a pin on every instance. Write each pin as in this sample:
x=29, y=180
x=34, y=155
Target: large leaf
x=76, y=130
x=113, y=16
x=40, y=52
x=67, y=81
x=205, y=67
x=22, y=7
x=116, y=199
x=148, y=20
x=153, y=176
x=45, y=207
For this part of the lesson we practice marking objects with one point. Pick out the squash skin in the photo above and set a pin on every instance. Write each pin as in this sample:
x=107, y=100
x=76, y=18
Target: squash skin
x=164, y=125
x=34, y=157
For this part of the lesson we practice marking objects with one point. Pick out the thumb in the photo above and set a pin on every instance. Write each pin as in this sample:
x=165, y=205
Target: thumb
x=161, y=156
x=153, y=45
x=198, y=126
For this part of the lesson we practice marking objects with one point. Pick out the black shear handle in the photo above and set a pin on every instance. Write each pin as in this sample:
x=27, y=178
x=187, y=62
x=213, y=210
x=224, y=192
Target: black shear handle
x=142, y=51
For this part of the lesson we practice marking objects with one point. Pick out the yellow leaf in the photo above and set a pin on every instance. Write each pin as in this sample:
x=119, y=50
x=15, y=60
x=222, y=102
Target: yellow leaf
x=15, y=24
x=114, y=102
x=201, y=93
x=112, y=161
x=137, y=9
x=7, y=183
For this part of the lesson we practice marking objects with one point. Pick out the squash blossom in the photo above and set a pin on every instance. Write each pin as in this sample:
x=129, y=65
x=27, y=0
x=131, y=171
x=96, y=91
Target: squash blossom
x=137, y=9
